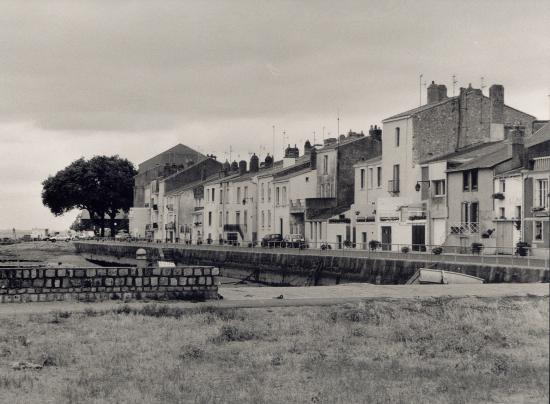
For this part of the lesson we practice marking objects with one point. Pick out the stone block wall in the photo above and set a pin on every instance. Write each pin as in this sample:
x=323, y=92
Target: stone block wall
x=95, y=284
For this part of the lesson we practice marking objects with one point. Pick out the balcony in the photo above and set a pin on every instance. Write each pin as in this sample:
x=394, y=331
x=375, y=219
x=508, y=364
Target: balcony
x=393, y=186
x=541, y=163
x=465, y=228
x=170, y=226
x=170, y=206
x=297, y=206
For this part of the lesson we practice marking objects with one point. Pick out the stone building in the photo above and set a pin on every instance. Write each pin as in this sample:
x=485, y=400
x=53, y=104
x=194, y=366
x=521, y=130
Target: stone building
x=443, y=126
x=164, y=164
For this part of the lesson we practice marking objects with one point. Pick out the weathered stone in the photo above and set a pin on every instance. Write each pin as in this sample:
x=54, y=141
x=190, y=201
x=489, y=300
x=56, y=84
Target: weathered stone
x=166, y=271
x=177, y=271
x=119, y=281
x=101, y=272
x=138, y=282
x=215, y=271
x=163, y=281
x=38, y=283
x=197, y=271
x=91, y=272
x=156, y=271
x=123, y=272
x=187, y=271
x=202, y=280
x=113, y=272
x=50, y=273
x=154, y=281
x=57, y=283
x=109, y=282
x=173, y=281
x=61, y=272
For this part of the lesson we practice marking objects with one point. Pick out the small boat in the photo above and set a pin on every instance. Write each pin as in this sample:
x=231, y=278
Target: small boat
x=425, y=276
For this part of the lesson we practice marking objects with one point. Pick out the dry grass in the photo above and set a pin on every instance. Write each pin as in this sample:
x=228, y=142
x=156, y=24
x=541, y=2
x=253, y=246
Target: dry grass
x=414, y=351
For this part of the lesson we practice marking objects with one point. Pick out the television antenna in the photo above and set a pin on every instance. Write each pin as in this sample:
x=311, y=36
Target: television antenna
x=454, y=83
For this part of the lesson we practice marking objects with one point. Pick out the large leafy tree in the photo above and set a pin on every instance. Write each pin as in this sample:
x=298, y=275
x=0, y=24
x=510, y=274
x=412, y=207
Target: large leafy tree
x=102, y=185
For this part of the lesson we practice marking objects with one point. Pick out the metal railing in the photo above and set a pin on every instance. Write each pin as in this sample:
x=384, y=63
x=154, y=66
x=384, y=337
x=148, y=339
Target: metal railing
x=542, y=163
x=427, y=254
x=464, y=228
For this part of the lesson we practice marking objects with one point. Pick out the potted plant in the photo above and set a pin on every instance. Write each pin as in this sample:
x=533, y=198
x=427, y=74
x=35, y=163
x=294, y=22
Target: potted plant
x=476, y=248
x=498, y=195
x=404, y=249
x=374, y=244
x=437, y=250
x=522, y=248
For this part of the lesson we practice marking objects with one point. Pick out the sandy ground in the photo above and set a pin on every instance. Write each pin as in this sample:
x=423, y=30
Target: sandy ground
x=42, y=253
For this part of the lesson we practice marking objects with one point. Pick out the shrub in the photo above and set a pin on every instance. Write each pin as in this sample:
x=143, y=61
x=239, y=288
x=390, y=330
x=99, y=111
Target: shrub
x=476, y=248
x=374, y=244
x=405, y=249
x=437, y=250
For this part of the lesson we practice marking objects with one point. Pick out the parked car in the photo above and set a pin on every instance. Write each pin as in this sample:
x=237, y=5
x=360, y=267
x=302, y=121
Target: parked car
x=59, y=237
x=295, y=241
x=122, y=235
x=272, y=240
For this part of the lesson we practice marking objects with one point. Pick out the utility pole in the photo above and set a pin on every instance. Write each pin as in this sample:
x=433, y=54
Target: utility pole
x=420, y=88
x=454, y=83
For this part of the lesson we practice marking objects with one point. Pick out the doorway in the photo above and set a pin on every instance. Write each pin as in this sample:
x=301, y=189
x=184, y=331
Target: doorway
x=386, y=238
x=418, y=238
x=281, y=226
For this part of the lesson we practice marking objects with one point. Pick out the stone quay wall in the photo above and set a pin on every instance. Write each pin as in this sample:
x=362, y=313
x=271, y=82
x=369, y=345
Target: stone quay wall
x=95, y=284
x=306, y=267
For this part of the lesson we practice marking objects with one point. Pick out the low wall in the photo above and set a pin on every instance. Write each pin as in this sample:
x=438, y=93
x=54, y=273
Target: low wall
x=93, y=284
x=290, y=268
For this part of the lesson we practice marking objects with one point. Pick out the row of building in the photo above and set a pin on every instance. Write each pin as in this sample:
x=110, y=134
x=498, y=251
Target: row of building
x=455, y=171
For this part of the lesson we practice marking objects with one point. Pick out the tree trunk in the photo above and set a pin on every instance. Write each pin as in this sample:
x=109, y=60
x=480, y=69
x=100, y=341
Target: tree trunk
x=112, y=222
x=102, y=224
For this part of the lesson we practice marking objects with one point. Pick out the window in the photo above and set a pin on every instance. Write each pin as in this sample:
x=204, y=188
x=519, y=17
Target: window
x=325, y=164
x=502, y=213
x=502, y=185
x=245, y=193
x=268, y=193
x=263, y=218
x=207, y=195
x=284, y=196
x=465, y=181
x=307, y=179
x=227, y=217
x=269, y=218
x=397, y=133
x=209, y=218
x=263, y=193
x=537, y=231
x=474, y=212
x=371, y=178
x=213, y=194
x=238, y=195
x=439, y=188
x=470, y=212
x=221, y=196
x=220, y=220
x=394, y=183
x=541, y=194
x=518, y=212
x=378, y=177
x=238, y=218
x=465, y=212
x=245, y=220
x=362, y=178
x=277, y=196
x=474, y=180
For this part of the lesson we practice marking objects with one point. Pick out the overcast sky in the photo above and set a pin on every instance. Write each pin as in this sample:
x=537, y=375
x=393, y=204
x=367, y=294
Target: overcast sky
x=134, y=78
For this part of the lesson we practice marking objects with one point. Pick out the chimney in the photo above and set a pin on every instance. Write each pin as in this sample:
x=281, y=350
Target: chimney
x=376, y=133
x=242, y=167
x=254, y=163
x=442, y=91
x=292, y=152
x=313, y=158
x=433, y=93
x=307, y=147
x=496, y=96
x=516, y=149
x=268, y=162
x=234, y=166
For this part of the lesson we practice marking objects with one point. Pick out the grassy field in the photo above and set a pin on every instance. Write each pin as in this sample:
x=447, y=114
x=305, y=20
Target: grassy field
x=404, y=351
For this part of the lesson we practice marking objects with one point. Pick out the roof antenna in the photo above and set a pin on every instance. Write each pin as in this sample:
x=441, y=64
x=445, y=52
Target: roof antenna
x=482, y=85
x=420, y=88
x=454, y=83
